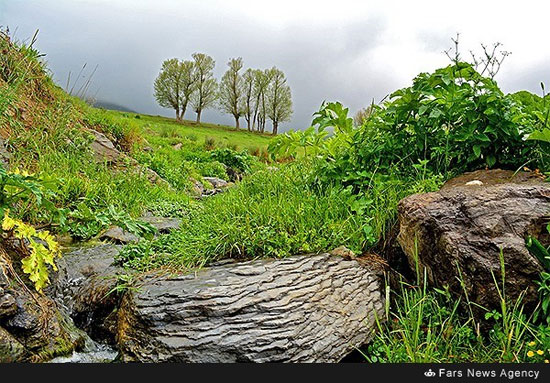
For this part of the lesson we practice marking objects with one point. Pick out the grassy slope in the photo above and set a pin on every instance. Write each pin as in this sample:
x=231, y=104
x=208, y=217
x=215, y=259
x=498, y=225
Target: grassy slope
x=45, y=130
x=223, y=136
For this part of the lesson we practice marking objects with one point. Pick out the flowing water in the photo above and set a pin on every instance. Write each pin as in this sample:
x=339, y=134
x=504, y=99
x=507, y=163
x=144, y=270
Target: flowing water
x=94, y=353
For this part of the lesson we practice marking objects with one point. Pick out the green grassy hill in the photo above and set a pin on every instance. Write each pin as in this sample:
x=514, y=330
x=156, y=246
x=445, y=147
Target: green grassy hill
x=220, y=135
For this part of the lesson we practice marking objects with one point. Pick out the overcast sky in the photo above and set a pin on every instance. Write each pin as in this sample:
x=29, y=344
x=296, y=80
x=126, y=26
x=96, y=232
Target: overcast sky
x=349, y=51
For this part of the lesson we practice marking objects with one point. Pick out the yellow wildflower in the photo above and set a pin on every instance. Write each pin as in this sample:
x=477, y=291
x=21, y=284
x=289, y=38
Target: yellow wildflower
x=546, y=361
x=540, y=352
x=530, y=354
x=532, y=343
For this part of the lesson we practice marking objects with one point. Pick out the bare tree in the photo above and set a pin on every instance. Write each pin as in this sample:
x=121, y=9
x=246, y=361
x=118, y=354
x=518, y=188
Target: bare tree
x=206, y=88
x=279, y=99
x=230, y=96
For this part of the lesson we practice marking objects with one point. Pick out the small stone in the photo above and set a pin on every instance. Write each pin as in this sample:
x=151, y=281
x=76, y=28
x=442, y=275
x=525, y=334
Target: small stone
x=8, y=305
x=474, y=183
x=118, y=235
x=343, y=252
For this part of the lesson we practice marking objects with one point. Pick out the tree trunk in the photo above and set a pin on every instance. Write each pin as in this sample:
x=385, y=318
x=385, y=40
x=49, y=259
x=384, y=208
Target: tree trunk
x=199, y=116
x=177, y=114
x=275, y=127
x=183, y=109
x=314, y=308
x=237, y=127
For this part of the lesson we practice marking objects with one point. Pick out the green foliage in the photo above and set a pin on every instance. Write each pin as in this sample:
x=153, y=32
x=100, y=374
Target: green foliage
x=543, y=311
x=313, y=140
x=84, y=223
x=454, y=118
x=21, y=188
x=542, y=135
x=43, y=249
x=542, y=253
x=237, y=160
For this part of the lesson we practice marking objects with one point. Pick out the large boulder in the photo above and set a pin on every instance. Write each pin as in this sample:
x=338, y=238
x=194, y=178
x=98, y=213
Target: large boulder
x=460, y=231
x=298, y=309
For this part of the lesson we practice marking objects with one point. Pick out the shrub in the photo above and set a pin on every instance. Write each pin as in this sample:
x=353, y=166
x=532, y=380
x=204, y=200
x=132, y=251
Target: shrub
x=209, y=143
x=237, y=160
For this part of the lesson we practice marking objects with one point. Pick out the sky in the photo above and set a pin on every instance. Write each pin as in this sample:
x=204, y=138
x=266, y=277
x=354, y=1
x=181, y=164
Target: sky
x=347, y=51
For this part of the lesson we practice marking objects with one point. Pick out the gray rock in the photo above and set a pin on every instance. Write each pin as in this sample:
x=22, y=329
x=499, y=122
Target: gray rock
x=11, y=350
x=164, y=225
x=464, y=227
x=298, y=309
x=118, y=235
x=103, y=148
x=5, y=155
x=85, y=285
x=217, y=183
x=8, y=306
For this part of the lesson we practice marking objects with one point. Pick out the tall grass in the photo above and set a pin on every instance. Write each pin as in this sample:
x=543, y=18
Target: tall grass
x=429, y=325
x=272, y=213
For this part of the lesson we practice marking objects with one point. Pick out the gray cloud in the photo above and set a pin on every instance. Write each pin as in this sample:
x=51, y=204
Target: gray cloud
x=354, y=57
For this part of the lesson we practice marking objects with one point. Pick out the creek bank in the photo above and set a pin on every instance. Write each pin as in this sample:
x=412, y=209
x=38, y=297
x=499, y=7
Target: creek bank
x=304, y=308
x=32, y=329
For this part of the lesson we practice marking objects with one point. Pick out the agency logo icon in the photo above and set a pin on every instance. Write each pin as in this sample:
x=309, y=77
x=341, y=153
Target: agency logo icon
x=429, y=373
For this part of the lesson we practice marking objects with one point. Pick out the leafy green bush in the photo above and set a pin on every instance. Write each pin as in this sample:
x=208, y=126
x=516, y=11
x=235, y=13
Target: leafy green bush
x=447, y=122
x=454, y=119
x=237, y=160
x=40, y=248
x=85, y=223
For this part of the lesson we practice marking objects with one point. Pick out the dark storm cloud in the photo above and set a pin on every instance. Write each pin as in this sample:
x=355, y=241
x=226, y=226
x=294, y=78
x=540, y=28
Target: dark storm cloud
x=128, y=45
x=351, y=52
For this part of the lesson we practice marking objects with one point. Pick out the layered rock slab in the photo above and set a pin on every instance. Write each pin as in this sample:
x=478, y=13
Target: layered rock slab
x=298, y=309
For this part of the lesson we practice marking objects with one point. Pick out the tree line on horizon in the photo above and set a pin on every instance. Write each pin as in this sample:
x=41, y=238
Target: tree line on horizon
x=256, y=95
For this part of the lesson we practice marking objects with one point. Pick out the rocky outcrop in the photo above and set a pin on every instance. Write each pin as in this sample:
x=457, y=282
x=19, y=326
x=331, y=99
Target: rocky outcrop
x=85, y=286
x=31, y=326
x=298, y=309
x=103, y=148
x=118, y=235
x=460, y=231
x=105, y=151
